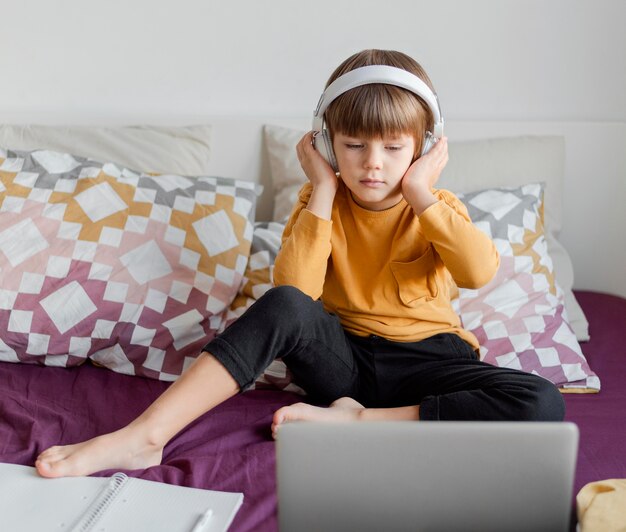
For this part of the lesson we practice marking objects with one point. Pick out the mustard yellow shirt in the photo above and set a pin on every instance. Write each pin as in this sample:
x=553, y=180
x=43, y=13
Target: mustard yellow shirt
x=388, y=273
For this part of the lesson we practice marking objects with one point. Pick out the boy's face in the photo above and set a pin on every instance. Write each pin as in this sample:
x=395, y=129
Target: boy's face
x=373, y=168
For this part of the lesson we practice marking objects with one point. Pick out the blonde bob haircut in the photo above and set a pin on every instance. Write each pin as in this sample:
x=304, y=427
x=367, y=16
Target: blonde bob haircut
x=379, y=110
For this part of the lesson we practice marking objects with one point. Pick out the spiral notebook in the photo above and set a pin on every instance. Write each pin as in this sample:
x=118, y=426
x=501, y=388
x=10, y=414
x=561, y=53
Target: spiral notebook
x=29, y=502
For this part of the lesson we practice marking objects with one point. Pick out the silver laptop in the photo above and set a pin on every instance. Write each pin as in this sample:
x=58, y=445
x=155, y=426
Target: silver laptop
x=431, y=476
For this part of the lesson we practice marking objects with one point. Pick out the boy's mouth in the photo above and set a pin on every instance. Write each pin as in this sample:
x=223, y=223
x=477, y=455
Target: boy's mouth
x=372, y=183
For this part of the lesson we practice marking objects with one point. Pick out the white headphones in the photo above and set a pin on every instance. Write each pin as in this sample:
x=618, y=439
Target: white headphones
x=364, y=76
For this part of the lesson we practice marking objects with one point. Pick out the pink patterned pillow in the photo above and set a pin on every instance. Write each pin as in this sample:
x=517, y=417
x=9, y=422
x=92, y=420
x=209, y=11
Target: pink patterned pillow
x=519, y=318
x=131, y=270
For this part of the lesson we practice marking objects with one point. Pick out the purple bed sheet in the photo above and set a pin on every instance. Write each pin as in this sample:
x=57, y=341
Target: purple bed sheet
x=601, y=417
x=231, y=448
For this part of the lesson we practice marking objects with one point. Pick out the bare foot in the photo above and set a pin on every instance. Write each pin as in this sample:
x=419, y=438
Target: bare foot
x=124, y=449
x=343, y=409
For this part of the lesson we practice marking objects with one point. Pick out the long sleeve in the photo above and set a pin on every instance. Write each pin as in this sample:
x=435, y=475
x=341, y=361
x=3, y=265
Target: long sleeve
x=468, y=254
x=303, y=258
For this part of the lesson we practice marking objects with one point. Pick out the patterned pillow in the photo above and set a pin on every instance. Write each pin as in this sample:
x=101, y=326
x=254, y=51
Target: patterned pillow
x=131, y=270
x=519, y=318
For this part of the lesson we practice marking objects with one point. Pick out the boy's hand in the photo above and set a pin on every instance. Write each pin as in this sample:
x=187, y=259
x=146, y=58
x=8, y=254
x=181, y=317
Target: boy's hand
x=315, y=167
x=422, y=176
x=320, y=174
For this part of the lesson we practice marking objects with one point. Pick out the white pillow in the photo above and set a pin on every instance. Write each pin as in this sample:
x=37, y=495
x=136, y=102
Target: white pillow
x=473, y=165
x=164, y=150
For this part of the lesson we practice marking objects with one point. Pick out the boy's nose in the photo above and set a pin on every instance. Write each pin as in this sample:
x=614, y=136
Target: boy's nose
x=373, y=159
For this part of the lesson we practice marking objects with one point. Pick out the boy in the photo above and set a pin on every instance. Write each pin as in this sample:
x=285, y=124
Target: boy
x=361, y=313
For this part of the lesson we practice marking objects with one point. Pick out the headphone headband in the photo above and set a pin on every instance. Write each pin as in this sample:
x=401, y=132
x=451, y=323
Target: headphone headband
x=379, y=74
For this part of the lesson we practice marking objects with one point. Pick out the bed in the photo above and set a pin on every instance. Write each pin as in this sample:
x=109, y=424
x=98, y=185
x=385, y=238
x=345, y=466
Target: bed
x=83, y=369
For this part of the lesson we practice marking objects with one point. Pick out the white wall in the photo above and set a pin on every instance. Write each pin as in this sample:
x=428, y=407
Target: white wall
x=84, y=60
x=181, y=61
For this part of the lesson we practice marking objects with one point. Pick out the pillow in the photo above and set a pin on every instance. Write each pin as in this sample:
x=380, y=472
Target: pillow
x=286, y=172
x=473, y=165
x=131, y=270
x=519, y=317
x=165, y=150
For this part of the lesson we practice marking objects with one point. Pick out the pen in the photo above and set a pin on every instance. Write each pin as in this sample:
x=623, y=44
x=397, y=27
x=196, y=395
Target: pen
x=202, y=521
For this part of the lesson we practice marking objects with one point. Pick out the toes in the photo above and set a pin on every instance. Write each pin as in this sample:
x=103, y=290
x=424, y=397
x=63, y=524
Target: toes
x=51, y=452
x=278, y=418
x=63, y=467
x=56, y=461
x=45, y=469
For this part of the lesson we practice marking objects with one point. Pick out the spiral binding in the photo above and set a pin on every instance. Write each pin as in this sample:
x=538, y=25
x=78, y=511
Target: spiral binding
x=102, y=502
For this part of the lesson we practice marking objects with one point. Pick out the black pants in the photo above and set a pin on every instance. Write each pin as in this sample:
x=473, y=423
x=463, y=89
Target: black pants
x=441, y=373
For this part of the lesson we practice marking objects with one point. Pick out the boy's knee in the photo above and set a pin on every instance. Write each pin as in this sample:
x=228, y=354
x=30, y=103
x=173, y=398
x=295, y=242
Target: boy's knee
x=545, y=402
x=285, y=295
x=284, y=301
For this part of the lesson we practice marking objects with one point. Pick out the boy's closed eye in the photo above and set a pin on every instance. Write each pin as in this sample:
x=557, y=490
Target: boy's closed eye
x=389, y=147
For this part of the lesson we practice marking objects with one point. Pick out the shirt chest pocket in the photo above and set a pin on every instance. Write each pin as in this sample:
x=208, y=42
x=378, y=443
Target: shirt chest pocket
x=417, y=279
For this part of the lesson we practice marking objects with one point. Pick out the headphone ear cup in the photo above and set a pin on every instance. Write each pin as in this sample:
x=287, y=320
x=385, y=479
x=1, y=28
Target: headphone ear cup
x=331, y=153
x=429, y=142
x=324, y=146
